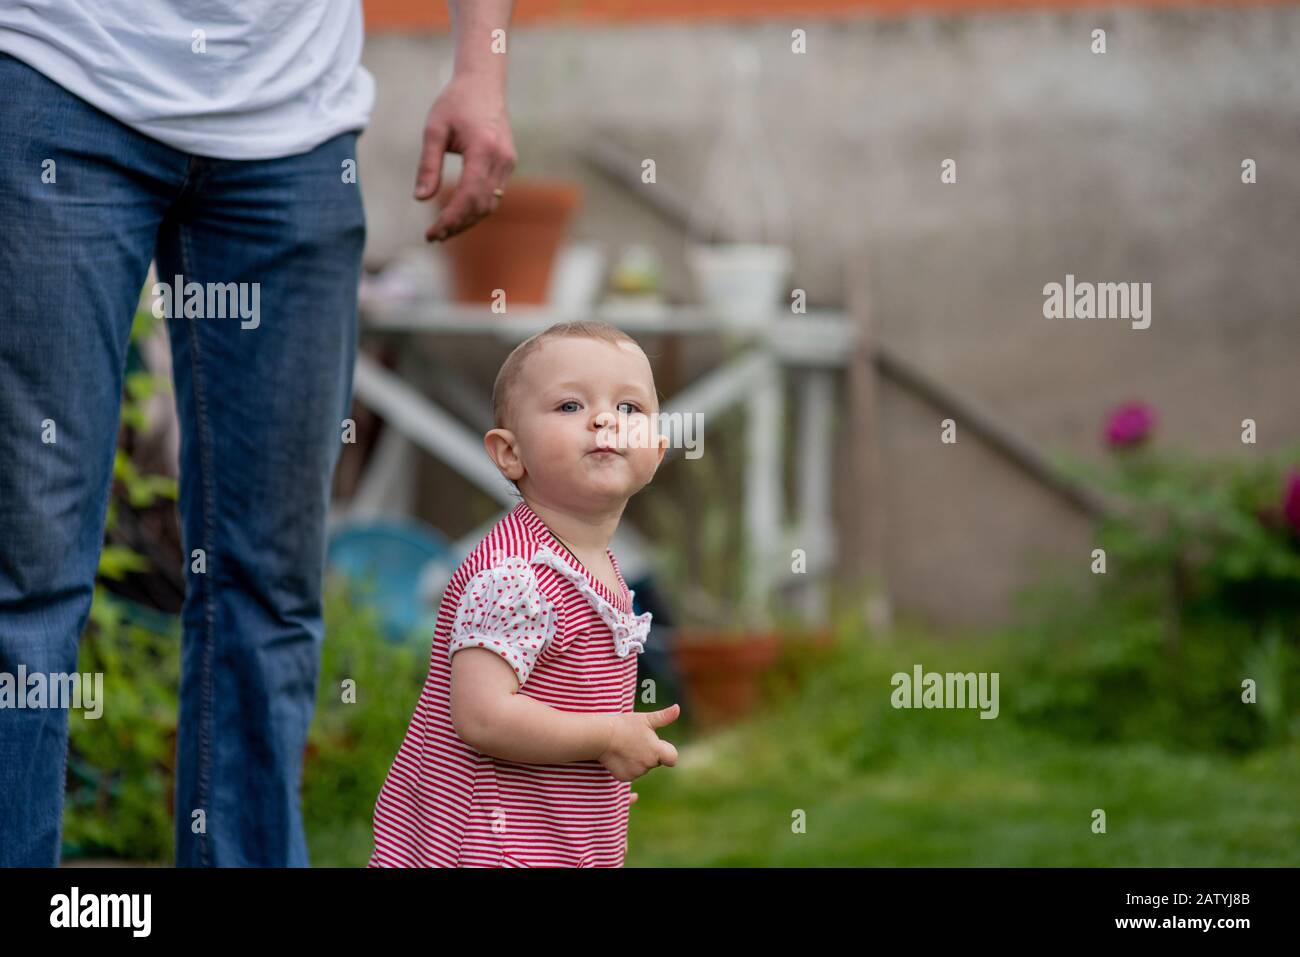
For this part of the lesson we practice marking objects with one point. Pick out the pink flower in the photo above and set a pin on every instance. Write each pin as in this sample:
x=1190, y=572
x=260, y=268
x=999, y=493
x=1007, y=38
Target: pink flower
x=1291, y=499
x=1129, y=424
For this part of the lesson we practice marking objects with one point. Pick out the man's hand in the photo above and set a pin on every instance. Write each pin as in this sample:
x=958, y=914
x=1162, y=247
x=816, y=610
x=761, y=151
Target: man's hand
x=469, y=118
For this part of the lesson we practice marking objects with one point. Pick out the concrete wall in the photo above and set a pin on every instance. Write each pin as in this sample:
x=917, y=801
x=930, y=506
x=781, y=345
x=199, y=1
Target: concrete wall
x=1116, y=167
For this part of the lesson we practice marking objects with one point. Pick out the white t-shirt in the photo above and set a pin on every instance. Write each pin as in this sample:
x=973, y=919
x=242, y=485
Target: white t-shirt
x=233, y=79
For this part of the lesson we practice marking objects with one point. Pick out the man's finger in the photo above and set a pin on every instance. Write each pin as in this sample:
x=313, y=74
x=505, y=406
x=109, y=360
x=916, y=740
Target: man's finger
x=502, y=166
x=455, y=230
x=429, y=172
x=471, y=200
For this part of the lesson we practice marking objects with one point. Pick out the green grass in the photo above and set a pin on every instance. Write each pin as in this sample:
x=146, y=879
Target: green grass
x=885, y=787
x=1090, y=717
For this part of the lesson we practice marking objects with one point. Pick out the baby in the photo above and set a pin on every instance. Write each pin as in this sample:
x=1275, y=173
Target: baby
x=524, y=742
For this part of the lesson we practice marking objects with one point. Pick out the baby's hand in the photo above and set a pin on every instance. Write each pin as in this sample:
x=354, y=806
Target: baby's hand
x=634, y=748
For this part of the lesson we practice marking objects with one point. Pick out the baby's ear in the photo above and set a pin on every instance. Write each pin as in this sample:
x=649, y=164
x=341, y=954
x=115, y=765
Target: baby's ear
x=500, y=445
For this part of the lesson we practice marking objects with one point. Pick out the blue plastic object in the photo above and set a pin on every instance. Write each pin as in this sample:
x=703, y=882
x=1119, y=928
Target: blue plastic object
x=388, y=557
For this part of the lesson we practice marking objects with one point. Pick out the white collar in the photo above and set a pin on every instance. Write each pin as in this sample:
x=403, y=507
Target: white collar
x=630, y=630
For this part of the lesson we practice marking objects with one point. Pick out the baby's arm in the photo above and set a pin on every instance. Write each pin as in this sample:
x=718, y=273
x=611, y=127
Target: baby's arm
x=490, y=716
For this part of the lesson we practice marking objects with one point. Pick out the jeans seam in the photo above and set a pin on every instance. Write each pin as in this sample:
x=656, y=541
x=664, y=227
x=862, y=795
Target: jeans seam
x=63, y=786
x=209, y=605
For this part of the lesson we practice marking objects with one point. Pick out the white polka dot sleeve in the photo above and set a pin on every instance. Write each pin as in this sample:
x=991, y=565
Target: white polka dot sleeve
x=504, y=610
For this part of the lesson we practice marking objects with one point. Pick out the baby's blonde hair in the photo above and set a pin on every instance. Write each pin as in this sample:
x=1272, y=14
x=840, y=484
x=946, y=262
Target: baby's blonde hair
x=514, y=364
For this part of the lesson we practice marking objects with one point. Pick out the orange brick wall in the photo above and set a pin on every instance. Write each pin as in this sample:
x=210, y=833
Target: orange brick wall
x=417, y=15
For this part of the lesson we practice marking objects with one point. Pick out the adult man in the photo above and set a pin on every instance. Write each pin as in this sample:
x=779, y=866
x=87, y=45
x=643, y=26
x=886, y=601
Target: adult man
x=219, y=140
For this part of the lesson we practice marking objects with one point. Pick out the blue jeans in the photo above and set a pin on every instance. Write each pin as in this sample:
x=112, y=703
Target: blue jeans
x=261, y=403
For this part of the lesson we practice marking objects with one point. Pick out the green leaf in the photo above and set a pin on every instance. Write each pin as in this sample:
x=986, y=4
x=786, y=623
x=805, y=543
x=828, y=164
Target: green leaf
x=117, y=561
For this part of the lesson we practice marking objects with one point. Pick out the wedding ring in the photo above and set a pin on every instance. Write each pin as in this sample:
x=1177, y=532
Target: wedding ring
x=498, y=191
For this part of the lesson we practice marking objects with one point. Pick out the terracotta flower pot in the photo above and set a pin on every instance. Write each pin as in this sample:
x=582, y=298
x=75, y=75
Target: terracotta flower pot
x=721, y=672
x=514, y=248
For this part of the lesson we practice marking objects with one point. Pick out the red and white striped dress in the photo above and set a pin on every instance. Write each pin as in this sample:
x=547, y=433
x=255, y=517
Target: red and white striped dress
x=573, y=644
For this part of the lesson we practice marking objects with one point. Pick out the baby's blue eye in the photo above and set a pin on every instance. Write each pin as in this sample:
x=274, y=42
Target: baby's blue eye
x=632, y=407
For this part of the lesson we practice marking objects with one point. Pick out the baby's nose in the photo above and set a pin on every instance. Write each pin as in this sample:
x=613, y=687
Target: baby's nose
x=606, y=427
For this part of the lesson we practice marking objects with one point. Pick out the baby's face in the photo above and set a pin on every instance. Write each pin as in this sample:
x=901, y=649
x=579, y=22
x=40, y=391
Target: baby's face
x=581, y=415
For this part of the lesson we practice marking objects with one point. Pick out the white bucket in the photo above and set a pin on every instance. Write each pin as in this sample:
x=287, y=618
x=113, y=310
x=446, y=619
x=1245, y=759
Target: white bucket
x=744, y=282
